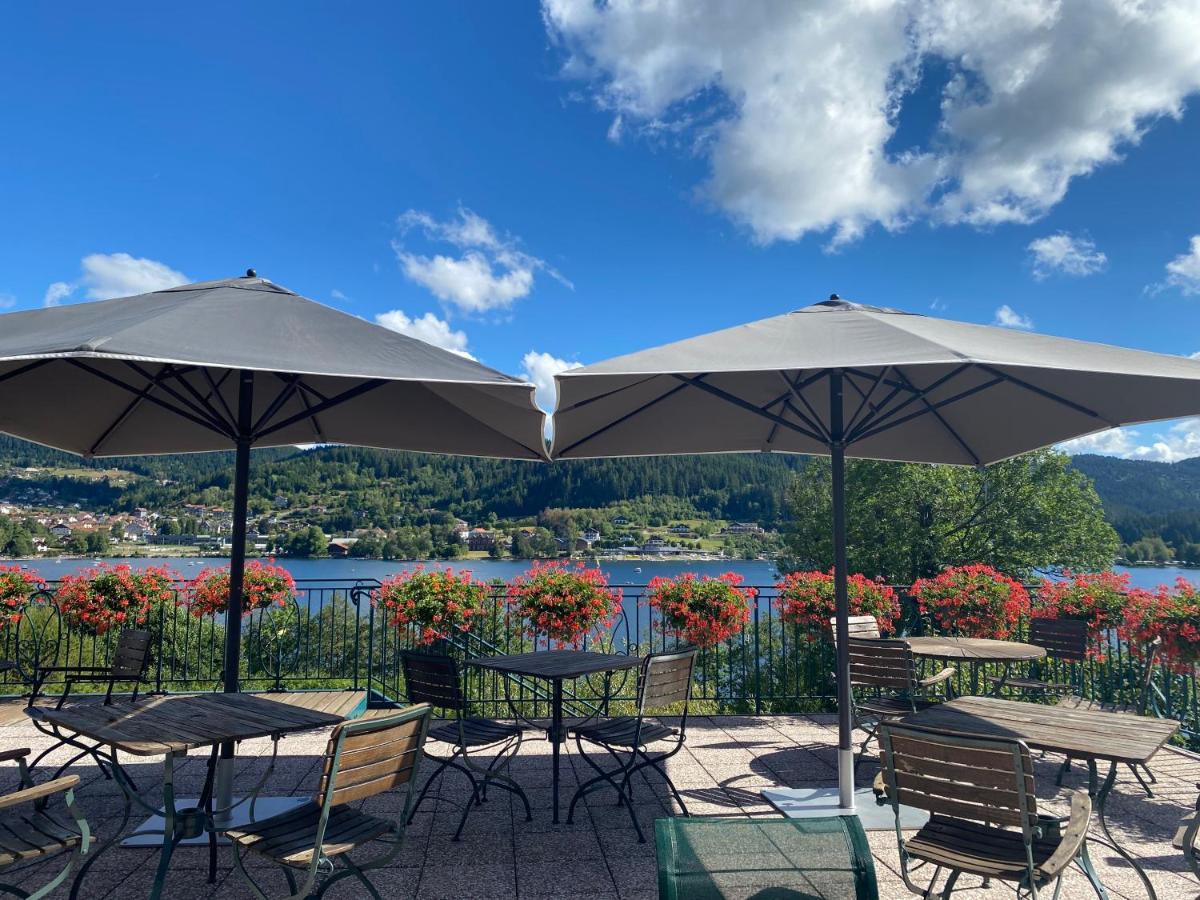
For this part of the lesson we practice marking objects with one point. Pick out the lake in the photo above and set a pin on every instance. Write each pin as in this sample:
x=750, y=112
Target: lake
x=759, y=573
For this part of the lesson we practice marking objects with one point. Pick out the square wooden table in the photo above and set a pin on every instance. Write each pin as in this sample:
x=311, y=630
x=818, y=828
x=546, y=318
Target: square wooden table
x=557, y=666
x=169, y=727
x=1093, y=735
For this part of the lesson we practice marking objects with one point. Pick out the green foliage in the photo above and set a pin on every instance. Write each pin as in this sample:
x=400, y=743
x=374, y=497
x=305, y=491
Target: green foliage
x=909, y=521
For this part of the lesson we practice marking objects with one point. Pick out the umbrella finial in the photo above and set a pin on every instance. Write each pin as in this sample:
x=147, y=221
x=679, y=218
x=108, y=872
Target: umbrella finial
x=250, y=273
x=834, y=297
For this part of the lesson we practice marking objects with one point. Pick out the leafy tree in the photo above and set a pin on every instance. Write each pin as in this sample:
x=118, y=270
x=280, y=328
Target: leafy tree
x=905, y=522
x=309, y=541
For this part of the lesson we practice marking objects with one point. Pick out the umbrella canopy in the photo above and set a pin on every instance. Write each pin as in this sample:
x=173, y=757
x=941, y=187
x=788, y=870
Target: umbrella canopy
x=241, y=363
x=843, y=379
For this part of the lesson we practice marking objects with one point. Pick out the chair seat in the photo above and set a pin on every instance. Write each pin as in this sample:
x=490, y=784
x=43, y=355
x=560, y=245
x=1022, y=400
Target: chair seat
x=979, y=849
x=891, y=707
x=33, y=834
x=621, y=731
x=1033, y=684
x=290, y=838
x=477, y=732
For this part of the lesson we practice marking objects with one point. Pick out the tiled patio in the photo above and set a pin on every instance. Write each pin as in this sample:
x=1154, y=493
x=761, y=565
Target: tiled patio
x=727, y=761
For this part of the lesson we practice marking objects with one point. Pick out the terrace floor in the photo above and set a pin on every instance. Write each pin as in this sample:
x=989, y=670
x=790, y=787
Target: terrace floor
x=726, y=762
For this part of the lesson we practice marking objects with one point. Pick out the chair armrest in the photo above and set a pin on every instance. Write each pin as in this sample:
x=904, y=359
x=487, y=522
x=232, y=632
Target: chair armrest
x=945, y=675
x=1073, y=835
x=16, y=753
x=38, y=791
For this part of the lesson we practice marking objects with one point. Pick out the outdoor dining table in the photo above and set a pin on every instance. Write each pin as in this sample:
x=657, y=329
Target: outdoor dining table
x=974, y=652
x=556, y=666
x=170, y=727
x=1088, y=734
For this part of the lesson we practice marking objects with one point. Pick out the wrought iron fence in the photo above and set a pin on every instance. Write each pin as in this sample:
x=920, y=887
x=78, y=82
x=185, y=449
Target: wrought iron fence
x=332, y=637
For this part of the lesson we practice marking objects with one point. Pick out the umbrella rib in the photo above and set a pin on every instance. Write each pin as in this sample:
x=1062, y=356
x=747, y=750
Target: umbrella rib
x=937, y=415
x=866, y=397
x=346, y=395
x=1049, y=395
x=749, y=407
x=871, y=424
x=962, y=395
x=169, y=370
x=615, y=422
x=120, y=420
x=104, y=376
x=215, y=387
x=203, y=400
x=815, y=422
x=316, y=424
x=36, y=364
x=284, y=395
x=627, y=387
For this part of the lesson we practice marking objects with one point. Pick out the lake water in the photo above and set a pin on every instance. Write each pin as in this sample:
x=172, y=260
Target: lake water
x=755, y=572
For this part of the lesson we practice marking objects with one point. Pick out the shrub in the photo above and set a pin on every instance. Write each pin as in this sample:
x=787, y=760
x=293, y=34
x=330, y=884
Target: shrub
x=263, y=586
x=703, y=611
x=1100, y=598
x=973, y=601
x=563, y=603
x=1174, y=616
x=436, y=603
x=112, y=596
x=806, y=599
x=17, y=585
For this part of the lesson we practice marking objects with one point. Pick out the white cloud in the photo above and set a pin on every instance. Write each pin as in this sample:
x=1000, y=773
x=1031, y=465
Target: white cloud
x=338, y=295
x=1180, y=440
x=428, y=328
x=540, y=368
x=1183, y=272
x=490, y=271
x=7, y=301
x=107, y=275
x=1065, y=254
x=1010, y=318
x=794, y=105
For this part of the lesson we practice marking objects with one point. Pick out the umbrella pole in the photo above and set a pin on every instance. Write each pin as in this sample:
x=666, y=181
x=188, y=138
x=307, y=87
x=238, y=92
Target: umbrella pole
x=237, y=572
x=837, y=455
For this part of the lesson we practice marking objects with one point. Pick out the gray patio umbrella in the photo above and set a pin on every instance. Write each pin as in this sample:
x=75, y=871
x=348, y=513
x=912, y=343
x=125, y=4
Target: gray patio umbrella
x=843, y=379
x=246, y=363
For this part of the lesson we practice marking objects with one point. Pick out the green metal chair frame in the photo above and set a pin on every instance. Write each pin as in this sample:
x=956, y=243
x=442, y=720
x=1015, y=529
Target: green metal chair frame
x=980, y=793
x=1186, y=838
x=434, y=678
x=26, y=836
x=664, y=680
x=364, y=758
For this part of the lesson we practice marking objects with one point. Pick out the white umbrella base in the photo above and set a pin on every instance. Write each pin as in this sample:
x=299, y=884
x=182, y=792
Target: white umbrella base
x=264, y=808
x=812, y=803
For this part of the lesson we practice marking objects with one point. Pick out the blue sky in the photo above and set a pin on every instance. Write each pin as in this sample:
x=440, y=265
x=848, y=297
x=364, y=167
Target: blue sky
x=548, y=185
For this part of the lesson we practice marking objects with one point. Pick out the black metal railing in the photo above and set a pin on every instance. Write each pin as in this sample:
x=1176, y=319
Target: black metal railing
x=332, y=637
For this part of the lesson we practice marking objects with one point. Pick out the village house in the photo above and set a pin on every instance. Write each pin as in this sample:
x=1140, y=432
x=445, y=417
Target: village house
x=481, y=539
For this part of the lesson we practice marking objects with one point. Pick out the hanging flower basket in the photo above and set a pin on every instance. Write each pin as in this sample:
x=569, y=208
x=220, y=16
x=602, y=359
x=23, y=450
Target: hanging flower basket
x=1101, y=598
x=264, y=586
x=806, y=600
x=436, y=604
x=563, y=603
x=113, y=597
x=972, y=601
x=17, y=586
x=702, y=611
x=1174, y=616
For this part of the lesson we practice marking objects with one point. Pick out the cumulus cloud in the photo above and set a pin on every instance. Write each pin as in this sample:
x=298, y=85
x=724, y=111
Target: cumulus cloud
x=428, y=328
x=796, y=106
x=1183, y=272
x=7, y=301
x=1010, y=318
x=107, y=275
x=540, y=368
x=1181, y=440
x=487, y=271
x=1065, y=254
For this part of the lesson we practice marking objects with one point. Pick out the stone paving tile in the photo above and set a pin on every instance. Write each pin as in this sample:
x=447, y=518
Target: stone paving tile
x=720, y=772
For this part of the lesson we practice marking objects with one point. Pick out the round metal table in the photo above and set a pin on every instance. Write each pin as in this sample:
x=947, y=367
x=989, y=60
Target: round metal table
x=974, y=652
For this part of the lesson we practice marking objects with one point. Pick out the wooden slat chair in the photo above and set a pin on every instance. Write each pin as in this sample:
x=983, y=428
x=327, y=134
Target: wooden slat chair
x=129, y=663
x=434, y=679
x=1065, y=642
x=364, y=758
x=29, y=830
x=1139, y=707
x=884, y=685
x=859, y=626
x=980, y=794
x=664, y=683
x=1186, y=838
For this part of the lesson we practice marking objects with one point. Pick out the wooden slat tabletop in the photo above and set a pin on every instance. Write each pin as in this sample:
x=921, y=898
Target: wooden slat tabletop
x=1082, y=734
x=974, y=649
x=179, y=723
x=557, y=663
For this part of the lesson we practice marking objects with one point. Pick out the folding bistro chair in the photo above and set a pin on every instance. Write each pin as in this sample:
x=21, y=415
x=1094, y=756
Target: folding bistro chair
x=433, y=678
x=859, y=626
x=983, y=817
x=1186, y=838
x=1066, y=643
x=364, y=758
x=32, y=832
x=129, y=663
x=664, y=680
x=884, y=685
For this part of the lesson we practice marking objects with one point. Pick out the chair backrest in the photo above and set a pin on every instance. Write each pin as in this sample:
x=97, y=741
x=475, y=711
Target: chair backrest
x=1064, y=639
x=980, y=779
x=860, y=627
x=432, y=678
x=370, y=756
x=1150, y=654
x=132, y=655
x=882, y=663
x=666, y=679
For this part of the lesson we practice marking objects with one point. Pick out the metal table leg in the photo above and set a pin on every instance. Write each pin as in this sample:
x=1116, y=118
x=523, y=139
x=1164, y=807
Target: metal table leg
x=1099, y=792
x=556, y=739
